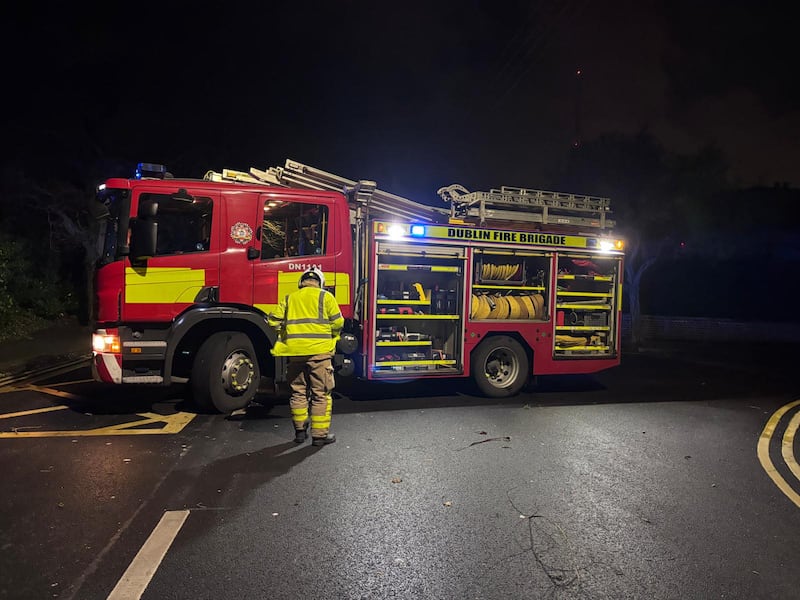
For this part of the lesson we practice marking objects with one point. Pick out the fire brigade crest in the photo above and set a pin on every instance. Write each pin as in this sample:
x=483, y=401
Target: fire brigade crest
x=241, y=233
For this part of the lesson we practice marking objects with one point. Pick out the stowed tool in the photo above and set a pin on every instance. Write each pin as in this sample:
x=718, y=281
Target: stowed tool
x=420, y=290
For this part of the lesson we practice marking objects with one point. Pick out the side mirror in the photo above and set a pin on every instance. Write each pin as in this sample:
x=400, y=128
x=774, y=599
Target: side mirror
x=147, y=210
x=144, y=233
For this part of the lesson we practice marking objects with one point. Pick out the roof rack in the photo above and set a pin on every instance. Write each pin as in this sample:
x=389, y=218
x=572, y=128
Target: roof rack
x=528, y=205
x=509, y=204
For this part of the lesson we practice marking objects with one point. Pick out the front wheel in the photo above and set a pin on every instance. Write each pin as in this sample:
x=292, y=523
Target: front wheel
x=225, y=375
x=499, y=366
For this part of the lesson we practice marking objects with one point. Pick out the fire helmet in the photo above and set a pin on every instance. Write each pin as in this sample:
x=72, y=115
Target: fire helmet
x=312, y=273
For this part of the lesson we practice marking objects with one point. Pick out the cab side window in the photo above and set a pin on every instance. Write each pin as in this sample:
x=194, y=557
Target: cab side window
x=184, y=224
x=293, y=229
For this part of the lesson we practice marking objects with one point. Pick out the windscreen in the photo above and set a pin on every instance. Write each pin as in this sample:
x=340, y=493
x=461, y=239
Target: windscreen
x=112, y=213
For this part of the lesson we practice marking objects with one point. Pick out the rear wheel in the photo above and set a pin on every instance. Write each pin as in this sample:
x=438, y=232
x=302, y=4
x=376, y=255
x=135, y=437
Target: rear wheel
x=499, y=366
x=225, y=374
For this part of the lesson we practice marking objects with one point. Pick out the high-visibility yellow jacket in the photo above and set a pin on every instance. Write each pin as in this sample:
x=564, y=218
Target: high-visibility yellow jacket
x=308, y=321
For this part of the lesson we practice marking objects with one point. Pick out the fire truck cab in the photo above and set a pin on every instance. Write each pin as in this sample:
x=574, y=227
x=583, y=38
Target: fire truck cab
x=499, y=286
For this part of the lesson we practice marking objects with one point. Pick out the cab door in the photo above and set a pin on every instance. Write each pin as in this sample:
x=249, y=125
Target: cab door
x=295, y=234
x=186, y=261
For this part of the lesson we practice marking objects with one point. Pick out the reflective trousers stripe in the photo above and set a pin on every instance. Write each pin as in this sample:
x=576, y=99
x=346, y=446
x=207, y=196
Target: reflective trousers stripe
x=311, y=380
x=300, y=415
x=321, y=422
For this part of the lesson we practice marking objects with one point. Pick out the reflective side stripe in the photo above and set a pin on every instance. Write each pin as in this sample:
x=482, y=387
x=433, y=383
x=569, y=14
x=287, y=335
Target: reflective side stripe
x=321, y=309
x=310, y=336
x=336, y=316
x=306, y=322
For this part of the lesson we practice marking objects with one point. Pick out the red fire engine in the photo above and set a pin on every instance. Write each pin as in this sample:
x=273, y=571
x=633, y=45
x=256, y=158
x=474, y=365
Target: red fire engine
x=500, y=285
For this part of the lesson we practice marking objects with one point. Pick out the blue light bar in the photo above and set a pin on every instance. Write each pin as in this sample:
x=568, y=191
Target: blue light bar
x=151, y=170
x=418, y=230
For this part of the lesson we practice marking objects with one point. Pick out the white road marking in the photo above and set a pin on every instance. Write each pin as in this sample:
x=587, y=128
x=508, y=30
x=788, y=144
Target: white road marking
x=144, y=565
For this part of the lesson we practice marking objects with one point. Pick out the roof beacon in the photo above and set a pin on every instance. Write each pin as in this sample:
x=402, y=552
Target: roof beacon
x=150, y=171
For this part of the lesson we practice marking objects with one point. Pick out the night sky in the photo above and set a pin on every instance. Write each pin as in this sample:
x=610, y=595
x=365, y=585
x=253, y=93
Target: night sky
x=415, y=95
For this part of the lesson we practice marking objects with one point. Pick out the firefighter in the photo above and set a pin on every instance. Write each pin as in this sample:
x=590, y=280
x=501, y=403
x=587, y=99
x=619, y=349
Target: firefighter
x=309, y=322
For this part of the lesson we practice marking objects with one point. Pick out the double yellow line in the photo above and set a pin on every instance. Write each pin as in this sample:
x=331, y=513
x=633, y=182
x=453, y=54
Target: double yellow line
x=787, y=450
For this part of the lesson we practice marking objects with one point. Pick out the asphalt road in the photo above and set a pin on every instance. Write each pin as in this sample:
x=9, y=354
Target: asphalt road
x=640, y=482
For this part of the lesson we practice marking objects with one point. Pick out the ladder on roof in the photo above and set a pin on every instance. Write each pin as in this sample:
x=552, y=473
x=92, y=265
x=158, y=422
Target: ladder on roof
x=508, y=204
x=362, y=194
x=528, y=205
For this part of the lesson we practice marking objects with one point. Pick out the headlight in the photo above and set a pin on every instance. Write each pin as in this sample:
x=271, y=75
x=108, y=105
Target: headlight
x=106, y=342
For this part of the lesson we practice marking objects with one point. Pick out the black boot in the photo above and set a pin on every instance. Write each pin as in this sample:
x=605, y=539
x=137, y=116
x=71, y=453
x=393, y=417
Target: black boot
x=324, y=441
x=301, y=435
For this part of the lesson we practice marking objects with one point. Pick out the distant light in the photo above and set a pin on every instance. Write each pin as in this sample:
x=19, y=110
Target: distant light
x=101, y=187
x=418, y=230
x=396, y=231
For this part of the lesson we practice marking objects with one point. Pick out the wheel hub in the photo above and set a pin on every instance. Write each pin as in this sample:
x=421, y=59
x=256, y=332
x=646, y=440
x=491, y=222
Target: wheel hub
x=237, y=372
x=501, y=367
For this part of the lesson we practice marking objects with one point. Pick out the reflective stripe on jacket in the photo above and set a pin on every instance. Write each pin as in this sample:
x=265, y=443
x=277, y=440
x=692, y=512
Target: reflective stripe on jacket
x=309, y=322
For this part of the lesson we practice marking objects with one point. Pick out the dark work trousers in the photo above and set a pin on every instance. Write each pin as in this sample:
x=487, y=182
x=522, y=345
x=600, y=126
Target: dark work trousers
x=311, y=380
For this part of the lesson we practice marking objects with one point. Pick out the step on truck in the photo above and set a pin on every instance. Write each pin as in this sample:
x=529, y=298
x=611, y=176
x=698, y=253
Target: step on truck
x=497, y=286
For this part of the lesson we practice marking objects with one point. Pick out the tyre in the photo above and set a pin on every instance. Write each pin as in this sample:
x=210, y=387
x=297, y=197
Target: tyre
x=499, y=366
x=225, y=375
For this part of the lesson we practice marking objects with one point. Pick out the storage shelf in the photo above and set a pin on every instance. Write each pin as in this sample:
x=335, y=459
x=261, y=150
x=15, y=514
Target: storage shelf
x=582, y=328
x=405, y=302
x=537, y=288
x=412, y=317
x=502, y=283
x=587, y=277
x=430, y=268
x=587, y=294
x=576, y=305
x=582, y=348
x=420, y=343
x=414, y=363
x=391, y=373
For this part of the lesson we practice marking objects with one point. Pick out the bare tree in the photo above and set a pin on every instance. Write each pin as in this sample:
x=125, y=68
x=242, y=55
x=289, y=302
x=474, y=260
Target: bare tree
x=659, y=199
